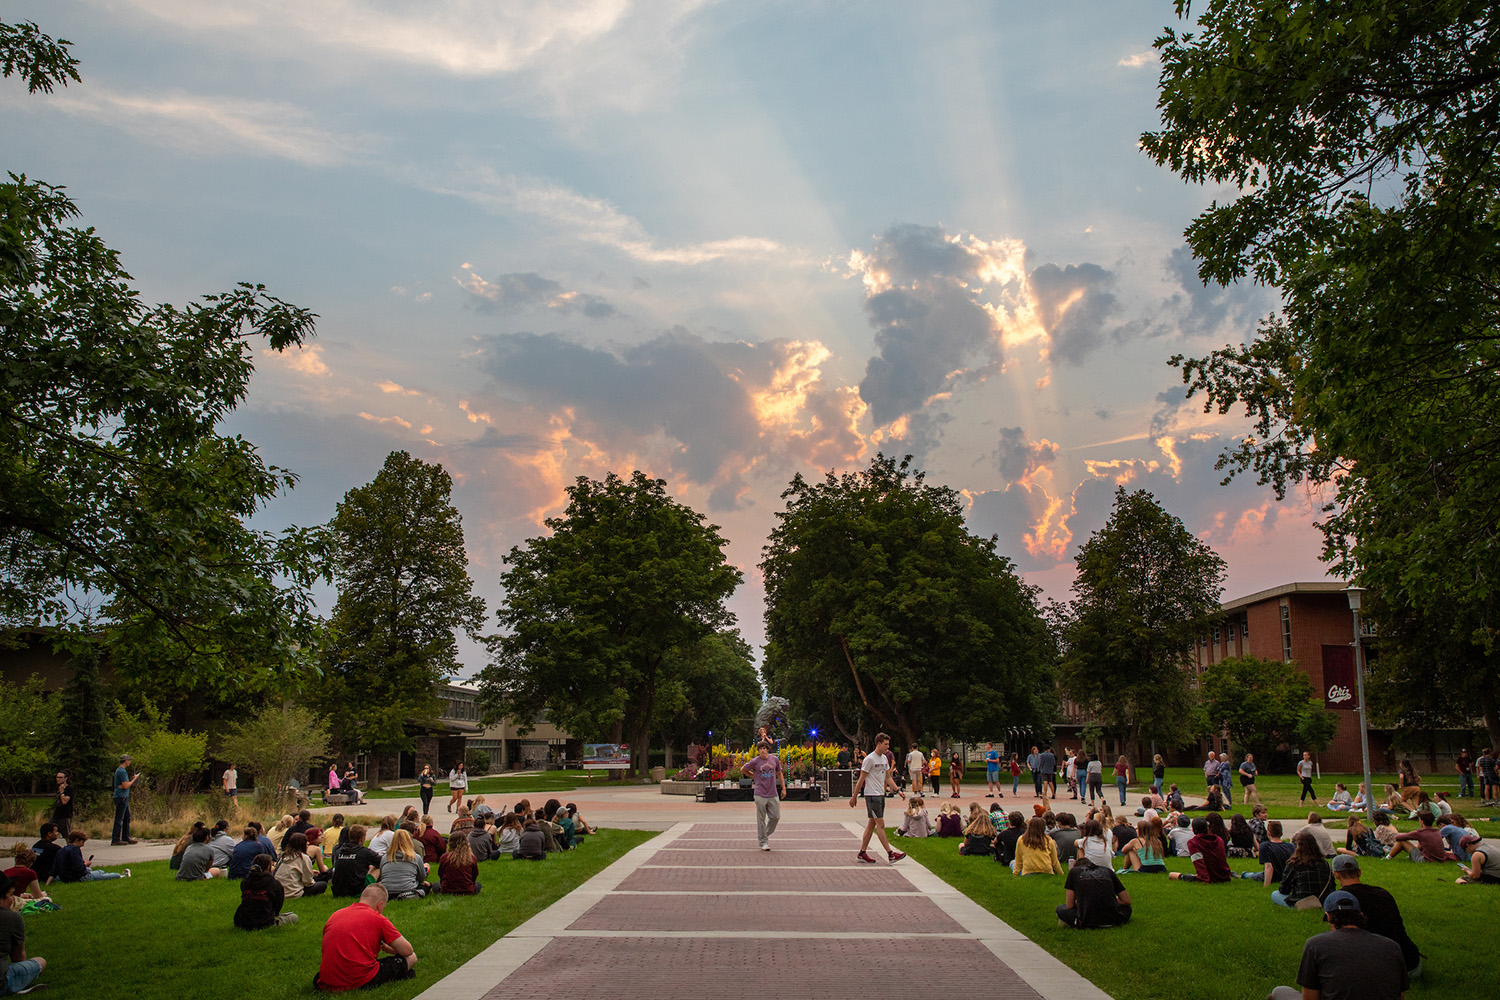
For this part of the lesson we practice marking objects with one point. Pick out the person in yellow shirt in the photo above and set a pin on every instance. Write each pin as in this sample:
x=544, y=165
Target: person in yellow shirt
x=935, y=771
x=1036, y=853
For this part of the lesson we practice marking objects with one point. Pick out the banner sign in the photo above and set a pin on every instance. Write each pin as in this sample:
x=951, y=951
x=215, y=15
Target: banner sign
x=606, y=756
x=1338, y=678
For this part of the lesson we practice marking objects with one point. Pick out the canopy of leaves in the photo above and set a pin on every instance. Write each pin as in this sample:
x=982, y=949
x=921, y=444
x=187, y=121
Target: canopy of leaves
x=117, y=493
x=1265, y=705
x=712, y=686
x=594, y=611
x=276, y=743
x=27, y=723
x=878, y=596
x=1145, y=589
x=1363, y=137
x=404, y=593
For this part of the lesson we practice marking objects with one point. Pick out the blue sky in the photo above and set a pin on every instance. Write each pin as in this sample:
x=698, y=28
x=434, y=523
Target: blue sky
x=723, y=243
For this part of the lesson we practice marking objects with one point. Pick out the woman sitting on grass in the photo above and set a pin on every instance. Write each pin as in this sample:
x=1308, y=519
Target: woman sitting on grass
x=403, y=874
x=433, y=844
x=1306, y=877
x=1393, y=800
x=1146, y=854
x=1385, y=830
x=261, y=898
x=336, y=833
x=949, y=822
x=458, y=872
x=1341, y=801
x=1093, y=845
x=533, y=845
x=464, y=821
x=1241, y=843
x=295, y=871
x=915, y=822
x=508, y=836
x=1036, y=853
x=1361, y=841
x=580, y=828
x=979, y=835
x=182, y=845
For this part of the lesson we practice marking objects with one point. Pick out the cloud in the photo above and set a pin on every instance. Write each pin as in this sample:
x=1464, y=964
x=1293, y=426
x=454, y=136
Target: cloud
x=1173, y=401
x=217, y=126
x=1201, y=309
x=520, y=290
x=1073, y=304
x=494, y=439
x=1138, y=59
x=1018, y=458
x=305, y=360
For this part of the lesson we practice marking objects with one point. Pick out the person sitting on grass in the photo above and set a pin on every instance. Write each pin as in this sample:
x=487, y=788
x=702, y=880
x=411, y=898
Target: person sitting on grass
x=353, y=864
x=1348, y=961
x=353, y=939
x=1454, y=832
x=1174, y=798
x=1241, y=842
x=1036, y=854
x=261, y=898
x=1206, y=851
x=1359, y=799
x=222, y=844
x=1307, y=875
x=381, y=842
x=336, y=833
x=1214, y=803
x=1393, y=800
x=915, y=822
x=1424, y=843
x=1093, y=844
x=1341, y=801
x=949, y=822
x=402, y=871
x=458, y=872
x=482, y=843
x=979, y=836
x=483, y=813
x=1382, y=915
x=1066, y=837
x=19, y=972
x=1120, y=834
x=1005, y=840
x=70, y=866
x=464, y=820
x=1484, y=862
x=1258, y=824
x=580, y=828
x=175, y=862
x=433, y=844
x=1273, y=855
x=508, y=836
x=294, y=869
x=242, y=858
x=564, y=821
x=1320, y=834
x=47, y=849
x=198, y=860
x=1178, y=836
x=301, y=824
x=1093, y=897
x=23, y=874
x=1360, y=840
x=1146, y=853
x=532, y=846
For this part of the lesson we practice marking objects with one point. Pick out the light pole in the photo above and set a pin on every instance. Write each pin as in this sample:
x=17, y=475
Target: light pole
x=1355, y=595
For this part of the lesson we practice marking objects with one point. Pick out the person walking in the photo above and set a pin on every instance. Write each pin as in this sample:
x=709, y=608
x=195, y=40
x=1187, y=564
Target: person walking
x=1122, y=776
x=1094, y=772
x=231, y=783
x=874, y=783
x=123, y=782
x=426, y=781
x=768, y=782
x=1015, y=774
x=1248, y=771
x=1305, y=772
x=992, y=771
x=458, y=783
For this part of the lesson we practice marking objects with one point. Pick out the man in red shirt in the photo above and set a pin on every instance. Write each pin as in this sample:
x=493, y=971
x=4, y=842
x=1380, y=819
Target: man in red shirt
x=353, y=939
x=1424, y=843
x=1208, y=856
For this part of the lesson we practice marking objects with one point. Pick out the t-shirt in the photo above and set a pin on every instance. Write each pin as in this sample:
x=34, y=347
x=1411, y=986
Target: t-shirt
x=350, y=866
x=21, y=878
x=1095, y=892
x=1179, y=836
x=456, y=878
x=196, y=861
x=1276, y=855
x=1491, y=850
x=63, y=810
x=1384, y=918
x=46, y=854
x=1353, y=964
x=1047, y=762
x=121, y=776
x=1095, y=769
x=1207, y=854
x=382, y=841
x=1250, y=771
x=351, y=947
x=915, y=760
x=401, y=876
x=992, y=760
x=1324, y=838
x=243, y=856
x=222, y=845
x=875, y=766
x=1486, y=765
x=1067, y=843
x=1434, y=848
x=231, y=779
x=763, y=774
x=1305, y=768
x=1005, y=844
x=12, y=937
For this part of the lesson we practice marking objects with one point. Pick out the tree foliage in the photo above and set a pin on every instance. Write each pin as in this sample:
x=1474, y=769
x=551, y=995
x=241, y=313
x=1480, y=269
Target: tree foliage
x=81, y=745
x=117, y=493
x=1362, y=138
x=404, y=593
x=594, y=611
x=878, y=595
x=712, y=685
x=276, y=743
x=27, y=722
x=1265, y=705
x=1144, y=591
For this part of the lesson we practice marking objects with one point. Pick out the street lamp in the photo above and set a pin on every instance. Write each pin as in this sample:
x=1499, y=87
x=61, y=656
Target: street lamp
x=1356, y=595
x=812, y=775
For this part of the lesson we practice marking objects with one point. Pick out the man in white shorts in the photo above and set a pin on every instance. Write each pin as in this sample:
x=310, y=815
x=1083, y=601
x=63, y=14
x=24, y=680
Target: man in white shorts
x=875, y=780
x=914, y=762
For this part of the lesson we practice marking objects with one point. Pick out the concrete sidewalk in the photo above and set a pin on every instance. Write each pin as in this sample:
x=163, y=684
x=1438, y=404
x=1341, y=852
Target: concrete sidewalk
x=701, y=911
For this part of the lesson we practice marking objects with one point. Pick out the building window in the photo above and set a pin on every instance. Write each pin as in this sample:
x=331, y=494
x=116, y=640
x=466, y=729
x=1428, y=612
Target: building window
x=1286, y=634
x=1203, y=640
x=1231, y=633
x=1216, y=635
x=1245, y=627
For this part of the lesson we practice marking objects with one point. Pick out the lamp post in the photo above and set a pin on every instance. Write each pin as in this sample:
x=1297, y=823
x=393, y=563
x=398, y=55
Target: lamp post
x=1356, y=595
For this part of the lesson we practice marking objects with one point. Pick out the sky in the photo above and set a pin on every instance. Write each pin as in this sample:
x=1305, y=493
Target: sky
x=724, y=243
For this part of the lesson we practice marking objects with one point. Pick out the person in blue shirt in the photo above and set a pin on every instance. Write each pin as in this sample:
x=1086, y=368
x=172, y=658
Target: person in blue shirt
x=992, y=771
x=242, y=859
x=122, y=785
x=70, y=866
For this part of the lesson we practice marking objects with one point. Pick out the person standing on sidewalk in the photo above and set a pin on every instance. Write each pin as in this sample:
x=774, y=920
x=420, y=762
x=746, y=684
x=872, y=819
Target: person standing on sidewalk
x=916, y=769
x=425, y=782
x=123, y=782
x=992, y=771
x=768, y=781
x=458, y=783
x=874, y=782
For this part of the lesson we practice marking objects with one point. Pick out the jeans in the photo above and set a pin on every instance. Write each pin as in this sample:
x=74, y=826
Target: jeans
x=1120, y=784
x=1015, y=784
x=1466, y=785
x=426, y=794
x=767, y=815
x=1307, y=791
x=122, y=820
x=1279, y=899
x=21, y=975
x=99, y=876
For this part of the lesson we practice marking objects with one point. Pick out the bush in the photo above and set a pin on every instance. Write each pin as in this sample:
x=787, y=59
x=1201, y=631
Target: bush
x=478, y=762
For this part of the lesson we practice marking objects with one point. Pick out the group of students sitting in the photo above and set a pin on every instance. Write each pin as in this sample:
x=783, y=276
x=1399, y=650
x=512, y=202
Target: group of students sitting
x=297, y=858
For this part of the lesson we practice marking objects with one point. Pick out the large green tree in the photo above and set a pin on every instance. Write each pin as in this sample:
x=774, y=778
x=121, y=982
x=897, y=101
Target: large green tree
x=119, y=498
x=1264, y=706
x=1360, y=140
x=404, y=594
x=1145, y=589
x=712, y=686
x=593, y=611
x=878, y=595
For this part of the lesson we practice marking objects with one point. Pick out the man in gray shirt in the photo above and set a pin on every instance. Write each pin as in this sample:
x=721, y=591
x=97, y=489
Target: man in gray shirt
x=1046, y=763
x=1066, y=836
x=767, y=778
x=1348, y=962
x=197, y=860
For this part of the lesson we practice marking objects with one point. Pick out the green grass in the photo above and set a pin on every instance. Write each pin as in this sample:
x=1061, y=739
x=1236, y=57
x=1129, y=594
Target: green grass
x=1227, y=941
x=493, y=784
x=152, y=936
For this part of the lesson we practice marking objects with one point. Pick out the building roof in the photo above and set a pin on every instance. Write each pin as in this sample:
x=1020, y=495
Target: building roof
x=1308, y=587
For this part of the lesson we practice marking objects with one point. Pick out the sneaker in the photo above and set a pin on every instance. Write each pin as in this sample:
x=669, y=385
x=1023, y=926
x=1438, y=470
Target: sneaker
x=765, y=847
x=865, y=857
x=895, y=856
x=988, y=796
x=127, y=873
x=291, y=918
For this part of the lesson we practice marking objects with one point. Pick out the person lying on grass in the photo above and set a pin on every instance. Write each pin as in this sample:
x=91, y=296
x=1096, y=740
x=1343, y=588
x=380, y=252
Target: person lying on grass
x=1206, y=851
x=261, y=898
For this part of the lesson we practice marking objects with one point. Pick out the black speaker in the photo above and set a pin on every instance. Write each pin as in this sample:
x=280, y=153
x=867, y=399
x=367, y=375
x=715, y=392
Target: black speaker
x=840, y=783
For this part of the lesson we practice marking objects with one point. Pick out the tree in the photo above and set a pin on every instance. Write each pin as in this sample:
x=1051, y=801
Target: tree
x=27, y=720
x=593, y=612
x=876, y=592
x=1144, y=591
x=81, y=743
x=1265, y=705
x=1361, y=137
x=712, y=686
x=116, y=489
x=276, y=743
x=404, y=592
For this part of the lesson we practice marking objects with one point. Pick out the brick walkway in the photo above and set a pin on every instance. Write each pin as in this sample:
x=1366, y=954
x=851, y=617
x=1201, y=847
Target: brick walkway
x=702, y=912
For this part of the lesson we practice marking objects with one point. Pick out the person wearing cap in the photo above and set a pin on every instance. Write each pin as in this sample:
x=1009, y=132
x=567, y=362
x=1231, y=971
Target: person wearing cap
x=122, y=785
x=1484, y=862
x=1349, y=962
x=1382, y=915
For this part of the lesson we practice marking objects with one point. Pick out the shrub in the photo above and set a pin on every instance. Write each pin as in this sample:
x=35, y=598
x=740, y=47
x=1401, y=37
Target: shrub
x=478, y=762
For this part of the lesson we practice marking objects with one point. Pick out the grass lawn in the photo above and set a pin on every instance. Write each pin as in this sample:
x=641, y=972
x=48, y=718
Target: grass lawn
x=492, y=784
x=1226, y=941
x=151, y=936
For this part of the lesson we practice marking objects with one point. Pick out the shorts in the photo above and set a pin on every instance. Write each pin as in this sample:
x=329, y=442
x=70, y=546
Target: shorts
x=22, y=974
x=875, y=806
x=992, y=774
x=1246, y=782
